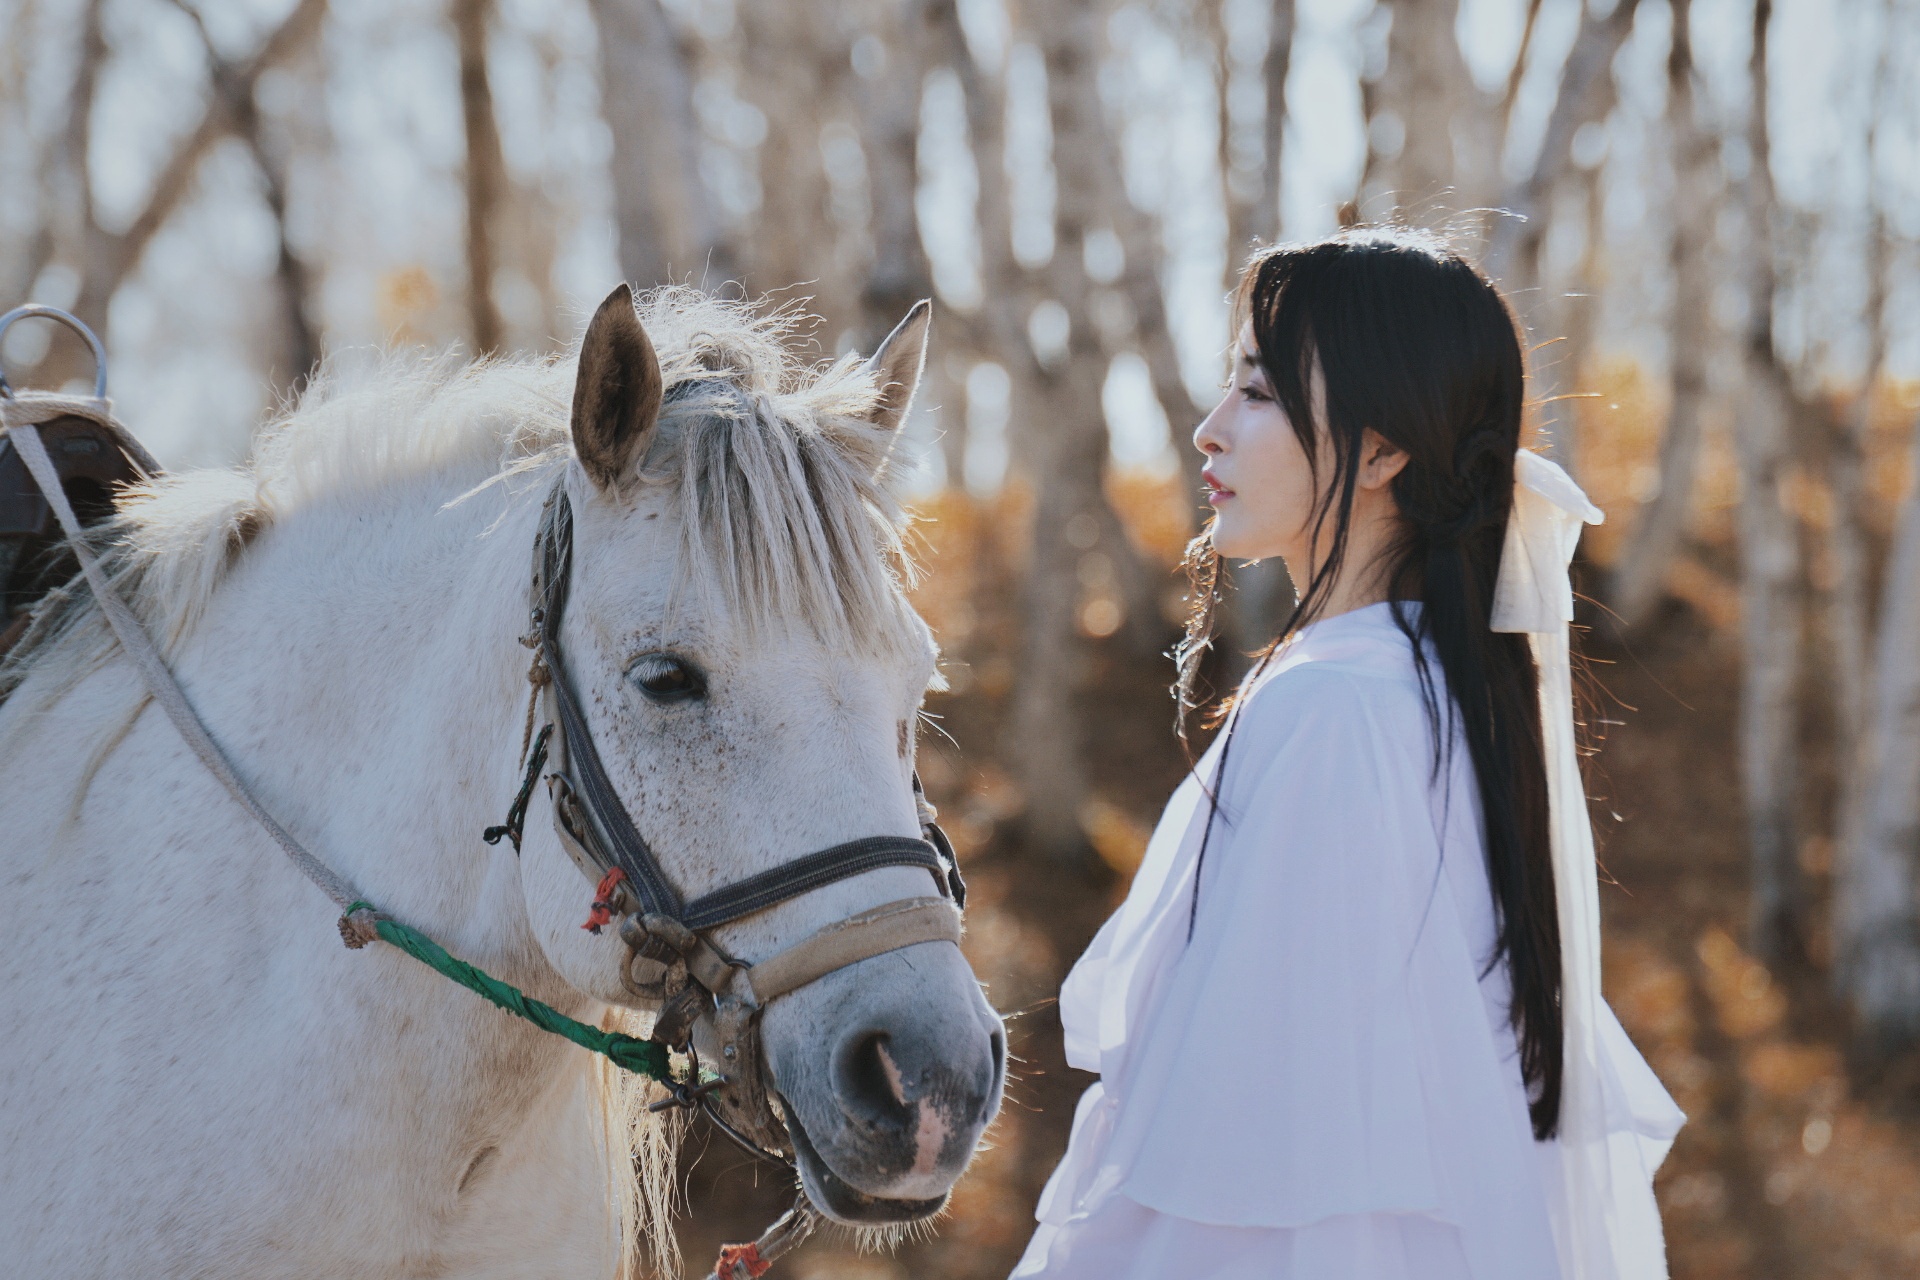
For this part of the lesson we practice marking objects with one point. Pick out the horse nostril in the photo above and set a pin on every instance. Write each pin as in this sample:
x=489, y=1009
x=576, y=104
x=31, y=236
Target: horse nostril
x=870, y=1080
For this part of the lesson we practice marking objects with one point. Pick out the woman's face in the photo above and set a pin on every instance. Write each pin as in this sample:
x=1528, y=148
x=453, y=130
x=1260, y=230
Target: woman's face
x=1257, y=477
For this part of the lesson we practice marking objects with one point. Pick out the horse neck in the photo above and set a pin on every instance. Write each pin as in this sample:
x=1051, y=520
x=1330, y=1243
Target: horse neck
x=385, y=631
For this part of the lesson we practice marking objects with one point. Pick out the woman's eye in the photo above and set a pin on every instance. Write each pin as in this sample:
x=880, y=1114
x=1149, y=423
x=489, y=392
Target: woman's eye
x=665, y=678
x=1252, y=392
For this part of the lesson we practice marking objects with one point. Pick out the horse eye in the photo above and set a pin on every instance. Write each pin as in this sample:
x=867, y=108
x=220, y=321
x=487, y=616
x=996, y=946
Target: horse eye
x=665, y=678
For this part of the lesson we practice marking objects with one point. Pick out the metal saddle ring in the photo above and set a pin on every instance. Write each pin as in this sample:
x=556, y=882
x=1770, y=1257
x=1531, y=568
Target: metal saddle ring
x=73, y=322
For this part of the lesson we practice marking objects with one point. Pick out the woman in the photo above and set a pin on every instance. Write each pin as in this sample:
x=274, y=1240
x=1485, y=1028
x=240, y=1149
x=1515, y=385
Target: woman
x=1348, y=1019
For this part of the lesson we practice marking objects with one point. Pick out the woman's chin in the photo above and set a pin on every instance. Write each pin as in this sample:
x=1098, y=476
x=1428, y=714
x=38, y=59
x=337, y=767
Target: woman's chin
x=1232, y=544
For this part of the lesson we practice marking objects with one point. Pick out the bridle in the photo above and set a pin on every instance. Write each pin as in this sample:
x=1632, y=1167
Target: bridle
x=709, y=1002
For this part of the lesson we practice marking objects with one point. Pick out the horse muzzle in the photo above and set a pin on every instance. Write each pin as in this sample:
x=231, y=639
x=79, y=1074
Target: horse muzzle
x=887, y=1077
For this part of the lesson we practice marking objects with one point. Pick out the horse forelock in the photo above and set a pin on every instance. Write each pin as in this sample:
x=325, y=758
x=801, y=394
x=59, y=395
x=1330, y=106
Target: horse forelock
x=786, y=519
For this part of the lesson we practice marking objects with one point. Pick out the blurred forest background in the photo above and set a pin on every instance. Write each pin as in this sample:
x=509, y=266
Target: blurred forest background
x=1706, y=212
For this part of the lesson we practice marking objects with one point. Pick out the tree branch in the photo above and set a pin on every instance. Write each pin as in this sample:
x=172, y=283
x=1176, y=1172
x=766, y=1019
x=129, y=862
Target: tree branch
x=112, y=257
x=1513, y=249
x=302, y=348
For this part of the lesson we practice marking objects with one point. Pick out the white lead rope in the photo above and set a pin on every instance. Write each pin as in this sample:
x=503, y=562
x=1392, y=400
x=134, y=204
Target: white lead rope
x=18, y=416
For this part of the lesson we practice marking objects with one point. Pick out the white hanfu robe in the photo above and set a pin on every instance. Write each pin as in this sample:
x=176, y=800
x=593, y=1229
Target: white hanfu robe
x=1323, y=1084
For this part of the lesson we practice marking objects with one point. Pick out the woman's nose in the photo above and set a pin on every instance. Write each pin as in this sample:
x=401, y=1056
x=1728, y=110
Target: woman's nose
x=1206, y=436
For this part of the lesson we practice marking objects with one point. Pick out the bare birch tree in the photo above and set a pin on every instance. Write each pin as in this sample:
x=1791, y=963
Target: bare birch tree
x=1585, y=94
x=1067, y=441
x=1574, y=322
x=664, y=215
x=794, y=64
x=1424, y=93
x=1258, y=595
x=1876, y=916
x=1253, y=182
x=1771, y=575
x=1640, y=577
x=1876, y=924
x=889, y=106
x=486, y=171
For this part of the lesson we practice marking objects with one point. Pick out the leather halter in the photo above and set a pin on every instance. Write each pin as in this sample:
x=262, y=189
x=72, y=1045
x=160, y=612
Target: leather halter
x=709, y=1001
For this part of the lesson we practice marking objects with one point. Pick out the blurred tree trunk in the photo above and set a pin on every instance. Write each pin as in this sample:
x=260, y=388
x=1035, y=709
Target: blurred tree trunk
x=889, y=104
x=1141, y=306
x=1258, y=595
x=1253, y=191
x=1575, y=322
x=667, y=227
x=999, y=327
x=1876, y=918
x=993, y=326
x=990, y=329
x=1640, y=580
x=1876, y=925
x=1847, y=544
x=1134, y=307
x=1848, y=609
x=1422, y=95
x=1514, y=243
x=486, y=172
x=1772, y=601
x=300, y=344
x=1586, y=95
x=75, y=234
x=1068, y=441
x=794, y=62
x=915, y=35
x=26, y=242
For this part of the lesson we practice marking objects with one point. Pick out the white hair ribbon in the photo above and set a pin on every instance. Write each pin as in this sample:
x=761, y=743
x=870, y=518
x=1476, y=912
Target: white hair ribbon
x=1616, y=1121
x=1533, y=592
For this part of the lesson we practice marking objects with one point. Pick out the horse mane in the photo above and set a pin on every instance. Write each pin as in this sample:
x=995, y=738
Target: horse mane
x=784, y=484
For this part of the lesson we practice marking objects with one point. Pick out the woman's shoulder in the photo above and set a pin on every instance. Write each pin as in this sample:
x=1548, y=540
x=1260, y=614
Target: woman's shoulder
x=1352, y=673
x=1321, y=726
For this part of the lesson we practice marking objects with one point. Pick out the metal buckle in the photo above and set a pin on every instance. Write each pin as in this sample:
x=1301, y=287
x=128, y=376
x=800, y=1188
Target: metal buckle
x=684, y=1094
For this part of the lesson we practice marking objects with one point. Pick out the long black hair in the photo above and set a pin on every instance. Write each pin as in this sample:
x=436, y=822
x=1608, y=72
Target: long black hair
x=1411, y=340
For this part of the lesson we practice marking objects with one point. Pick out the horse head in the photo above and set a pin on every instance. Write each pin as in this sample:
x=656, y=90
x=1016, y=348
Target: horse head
x=738, y=639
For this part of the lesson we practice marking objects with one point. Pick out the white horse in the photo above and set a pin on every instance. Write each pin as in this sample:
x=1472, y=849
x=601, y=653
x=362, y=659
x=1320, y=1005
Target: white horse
x=199, y=1080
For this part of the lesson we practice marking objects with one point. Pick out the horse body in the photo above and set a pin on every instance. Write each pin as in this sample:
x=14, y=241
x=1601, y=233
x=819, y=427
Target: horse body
x=202, y=1082
x=248, y=1096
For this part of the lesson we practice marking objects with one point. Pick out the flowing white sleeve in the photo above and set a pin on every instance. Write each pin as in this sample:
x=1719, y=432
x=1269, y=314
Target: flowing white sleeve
x=1323, y=1048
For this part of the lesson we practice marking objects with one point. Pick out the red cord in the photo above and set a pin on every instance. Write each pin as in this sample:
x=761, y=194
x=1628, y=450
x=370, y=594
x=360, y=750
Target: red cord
x=602, y=913
x=746, y=1256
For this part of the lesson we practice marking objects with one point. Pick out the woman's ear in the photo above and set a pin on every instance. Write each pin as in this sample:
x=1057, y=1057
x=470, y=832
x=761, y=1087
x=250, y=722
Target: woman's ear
x=1380, y=460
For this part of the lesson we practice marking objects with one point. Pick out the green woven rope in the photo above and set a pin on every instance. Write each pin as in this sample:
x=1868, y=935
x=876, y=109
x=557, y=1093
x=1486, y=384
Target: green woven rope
x=642, y=1057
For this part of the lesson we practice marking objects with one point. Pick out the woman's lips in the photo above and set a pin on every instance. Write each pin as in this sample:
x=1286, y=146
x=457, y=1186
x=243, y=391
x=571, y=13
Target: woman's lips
x=1216, y=491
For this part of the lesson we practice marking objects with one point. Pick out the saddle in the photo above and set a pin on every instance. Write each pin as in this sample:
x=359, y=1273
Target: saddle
x=95, y=458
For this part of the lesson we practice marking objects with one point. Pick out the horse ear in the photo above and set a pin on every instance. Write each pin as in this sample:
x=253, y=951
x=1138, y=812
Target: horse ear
x=616, y=398
x=897, y=365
